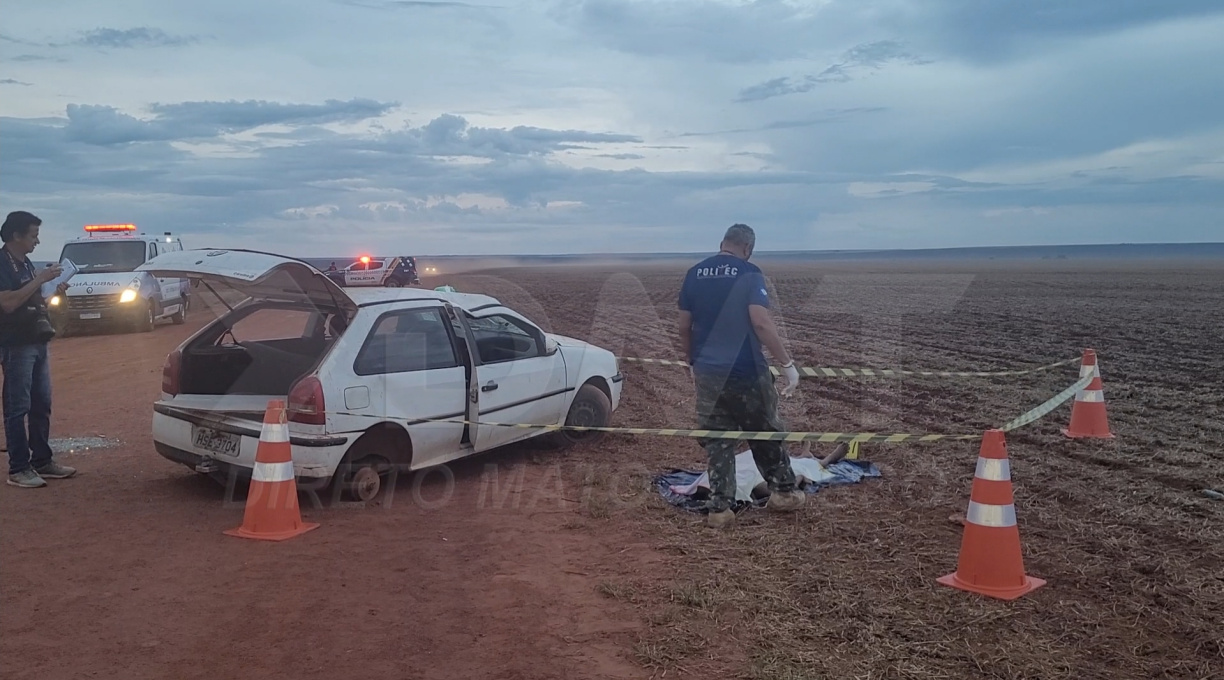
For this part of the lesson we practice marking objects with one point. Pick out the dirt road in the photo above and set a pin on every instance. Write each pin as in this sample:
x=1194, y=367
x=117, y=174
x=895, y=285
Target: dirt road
x=123, y=572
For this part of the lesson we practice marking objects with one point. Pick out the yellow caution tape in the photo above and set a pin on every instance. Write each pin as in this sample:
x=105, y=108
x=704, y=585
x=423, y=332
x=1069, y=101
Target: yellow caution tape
x=1053, y=403
x=854, y=438
x=825, y=437
x=822, y=372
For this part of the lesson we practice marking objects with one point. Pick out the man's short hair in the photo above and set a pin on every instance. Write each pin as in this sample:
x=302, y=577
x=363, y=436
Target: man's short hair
x=17, y=224
x=740, y=235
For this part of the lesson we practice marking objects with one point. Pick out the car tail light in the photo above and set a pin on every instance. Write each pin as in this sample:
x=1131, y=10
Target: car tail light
x=306, y=402
x=171, y=371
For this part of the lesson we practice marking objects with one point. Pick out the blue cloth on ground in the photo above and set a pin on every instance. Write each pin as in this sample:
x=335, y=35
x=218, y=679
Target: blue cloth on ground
x=840, y=473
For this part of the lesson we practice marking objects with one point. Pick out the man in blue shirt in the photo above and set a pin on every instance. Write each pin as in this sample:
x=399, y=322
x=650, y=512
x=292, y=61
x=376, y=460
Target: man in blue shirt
x=724, y=322
x=23, y=355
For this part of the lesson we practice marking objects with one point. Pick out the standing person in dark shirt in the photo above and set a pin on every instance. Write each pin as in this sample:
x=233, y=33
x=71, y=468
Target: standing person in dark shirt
x=724, y=322
x=23, y=355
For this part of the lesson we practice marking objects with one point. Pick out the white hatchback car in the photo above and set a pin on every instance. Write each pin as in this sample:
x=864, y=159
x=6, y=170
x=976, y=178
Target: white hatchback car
x=367, y=374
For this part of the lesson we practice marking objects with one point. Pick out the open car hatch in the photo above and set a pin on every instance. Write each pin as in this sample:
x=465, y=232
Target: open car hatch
x=261, y=276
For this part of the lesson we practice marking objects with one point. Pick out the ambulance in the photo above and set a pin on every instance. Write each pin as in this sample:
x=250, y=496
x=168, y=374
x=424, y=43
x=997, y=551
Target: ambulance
x=108, y=291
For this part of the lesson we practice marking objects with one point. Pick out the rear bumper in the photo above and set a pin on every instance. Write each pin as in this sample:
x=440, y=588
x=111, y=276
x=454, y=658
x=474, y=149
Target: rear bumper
x=173, y=439
x=252, y=430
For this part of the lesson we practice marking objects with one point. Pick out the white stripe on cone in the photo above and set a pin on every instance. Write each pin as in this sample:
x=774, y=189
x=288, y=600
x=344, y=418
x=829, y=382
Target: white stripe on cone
x=1086, y=371
x=1094, y=396
x=994, y=516
x=272, y=472
x=274, y=433
x=993, y=469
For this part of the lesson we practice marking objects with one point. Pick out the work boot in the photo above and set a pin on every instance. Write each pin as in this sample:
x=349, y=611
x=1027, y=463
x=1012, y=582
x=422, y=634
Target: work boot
x=54, y=470
x=27, y=479
x=786, y=501
x=720, y=519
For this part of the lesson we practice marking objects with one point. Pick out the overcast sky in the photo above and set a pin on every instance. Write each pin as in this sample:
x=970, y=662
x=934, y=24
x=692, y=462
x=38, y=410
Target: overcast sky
x=455, y=128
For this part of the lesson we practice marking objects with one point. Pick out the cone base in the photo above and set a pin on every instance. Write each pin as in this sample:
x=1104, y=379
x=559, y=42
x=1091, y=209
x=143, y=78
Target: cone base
x=1031, y=583
x=1086, y=435
x=243, y=532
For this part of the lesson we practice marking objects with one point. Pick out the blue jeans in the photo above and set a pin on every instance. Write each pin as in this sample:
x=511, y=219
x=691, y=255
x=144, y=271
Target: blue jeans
x=27, y=392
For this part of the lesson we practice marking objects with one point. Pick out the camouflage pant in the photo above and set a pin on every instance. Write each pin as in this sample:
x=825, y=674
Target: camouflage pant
x=748, y=405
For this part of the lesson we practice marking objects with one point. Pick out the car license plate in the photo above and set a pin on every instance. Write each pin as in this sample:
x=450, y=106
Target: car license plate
x=217, y=442
x=91, y=315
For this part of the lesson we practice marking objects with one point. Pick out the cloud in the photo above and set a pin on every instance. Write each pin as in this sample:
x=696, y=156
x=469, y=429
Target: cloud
x=829, y=116
x=132, y=38
x=309, y=212
x=414, y=4
x=10, y=81
x=451, y=135
x=998, y=31
x=608, y=125
x=234, y=115
x=857, y=60
x=15, y=41
x=758, y=31
x=104, y=125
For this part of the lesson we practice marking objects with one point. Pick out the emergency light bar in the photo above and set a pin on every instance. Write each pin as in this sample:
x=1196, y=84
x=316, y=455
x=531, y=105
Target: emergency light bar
x=365, y=259
x=91, y=228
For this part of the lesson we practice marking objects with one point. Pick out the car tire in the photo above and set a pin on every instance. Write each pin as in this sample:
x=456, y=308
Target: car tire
x=180, y=317
x=360, y=481
x=393, y=283
x=364, y=484
x=590, y=408
x=147, y=321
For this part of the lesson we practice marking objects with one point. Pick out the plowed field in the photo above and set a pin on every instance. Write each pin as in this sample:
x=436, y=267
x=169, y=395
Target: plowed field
x=533, y=563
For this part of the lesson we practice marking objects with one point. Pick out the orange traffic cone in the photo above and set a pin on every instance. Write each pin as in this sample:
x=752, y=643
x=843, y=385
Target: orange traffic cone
x=1088, y=417
x=272, y=512
x=990, y=563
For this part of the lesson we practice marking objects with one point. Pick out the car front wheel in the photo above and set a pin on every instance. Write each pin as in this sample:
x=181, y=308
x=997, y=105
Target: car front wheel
x=590, y=408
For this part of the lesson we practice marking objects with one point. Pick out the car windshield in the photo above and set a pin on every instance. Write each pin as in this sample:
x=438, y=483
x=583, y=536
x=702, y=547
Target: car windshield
x=97, y=257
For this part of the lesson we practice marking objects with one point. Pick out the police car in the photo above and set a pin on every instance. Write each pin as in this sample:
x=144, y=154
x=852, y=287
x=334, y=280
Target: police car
x=376, y=380
x=391, y=272
x=107, y=289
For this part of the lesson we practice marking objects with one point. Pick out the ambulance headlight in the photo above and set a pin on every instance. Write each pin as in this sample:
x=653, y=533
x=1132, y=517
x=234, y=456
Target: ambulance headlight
x=128, y=295
x=54, y=301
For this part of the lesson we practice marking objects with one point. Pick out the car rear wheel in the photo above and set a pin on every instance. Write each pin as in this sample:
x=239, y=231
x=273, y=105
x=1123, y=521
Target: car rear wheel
x=364, y=484
x=590, y=408
x=393, y=283
x=360, y=480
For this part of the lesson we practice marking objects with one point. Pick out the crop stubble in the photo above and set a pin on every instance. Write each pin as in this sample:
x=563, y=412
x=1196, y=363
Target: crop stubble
x=1131, y=548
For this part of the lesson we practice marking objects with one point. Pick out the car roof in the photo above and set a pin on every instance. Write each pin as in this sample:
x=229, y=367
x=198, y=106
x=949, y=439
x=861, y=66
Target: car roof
x=468, y=302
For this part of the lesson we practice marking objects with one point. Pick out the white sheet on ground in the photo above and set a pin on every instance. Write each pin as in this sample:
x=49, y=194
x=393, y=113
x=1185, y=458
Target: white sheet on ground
x=747, y=476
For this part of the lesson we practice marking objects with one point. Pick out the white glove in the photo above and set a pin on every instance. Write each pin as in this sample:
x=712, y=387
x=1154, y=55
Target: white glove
x=792, y=378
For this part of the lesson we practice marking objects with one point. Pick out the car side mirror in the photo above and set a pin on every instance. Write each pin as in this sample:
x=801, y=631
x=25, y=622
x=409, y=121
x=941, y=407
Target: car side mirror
x=550, y=346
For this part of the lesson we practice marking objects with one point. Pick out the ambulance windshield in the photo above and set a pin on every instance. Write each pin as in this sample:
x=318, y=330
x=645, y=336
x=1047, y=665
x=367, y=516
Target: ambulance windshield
x=100, y=257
